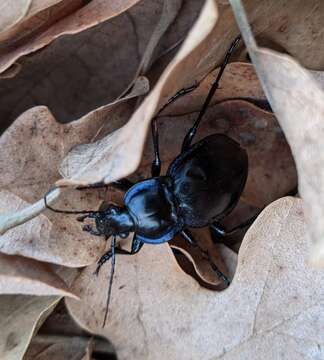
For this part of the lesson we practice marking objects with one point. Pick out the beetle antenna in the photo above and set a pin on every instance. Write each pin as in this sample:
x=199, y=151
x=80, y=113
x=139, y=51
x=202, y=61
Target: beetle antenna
x=112, y=271
x=65, y=211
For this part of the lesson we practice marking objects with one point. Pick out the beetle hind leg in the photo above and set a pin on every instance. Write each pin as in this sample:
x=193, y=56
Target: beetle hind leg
x=186, y=235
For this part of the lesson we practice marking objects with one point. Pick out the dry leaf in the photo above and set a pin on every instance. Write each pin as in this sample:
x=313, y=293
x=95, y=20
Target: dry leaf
x=38, y=14
x=218, y=254
x=76, y=74
x=12, y=12
x=29, y=175
x=238, y=82
x=98, y=161
x=272, y=172
x=190, y=64
x=159, y=312
x=20, y=275
x=19, y=317
x=83, y=18
x=75, y=348
x=298, y=103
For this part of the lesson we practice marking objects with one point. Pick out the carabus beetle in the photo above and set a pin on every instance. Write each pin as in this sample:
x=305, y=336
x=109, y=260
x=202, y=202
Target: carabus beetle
x=202, y=185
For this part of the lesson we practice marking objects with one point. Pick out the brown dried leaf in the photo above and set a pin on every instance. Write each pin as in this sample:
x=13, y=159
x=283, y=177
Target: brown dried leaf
x=23, y=167
x=168, y=15
x=294, y=27
x=238, y=82
x=268, y=306
x=19, y=319
x=19, y=275
x=119, y=153
x=37, y=14
x=75, y=348
x=200, y=263
x=196, y=57
x=298, y=102
x=43, y=32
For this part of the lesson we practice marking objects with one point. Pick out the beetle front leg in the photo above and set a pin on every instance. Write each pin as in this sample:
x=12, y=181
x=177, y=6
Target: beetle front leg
x=136, y=247
x=89, y=229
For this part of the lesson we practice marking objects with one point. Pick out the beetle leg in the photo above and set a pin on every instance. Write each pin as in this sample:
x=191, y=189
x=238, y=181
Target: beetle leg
x=91, y=215
x=122, y=184
x=191, y=240
x=220, y=232
x=156, y=164
x=89, y=229
x=192, y=131
x=136, y=247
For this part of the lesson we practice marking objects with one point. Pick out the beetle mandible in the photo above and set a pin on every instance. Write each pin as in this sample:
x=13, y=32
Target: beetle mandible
x=202, y=185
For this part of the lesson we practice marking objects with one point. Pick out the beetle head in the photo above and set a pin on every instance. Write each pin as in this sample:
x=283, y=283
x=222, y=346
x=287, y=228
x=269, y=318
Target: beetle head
x=113, y=220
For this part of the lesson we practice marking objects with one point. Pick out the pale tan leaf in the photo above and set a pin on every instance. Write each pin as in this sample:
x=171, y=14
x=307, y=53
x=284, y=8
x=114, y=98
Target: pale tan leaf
x=29, y=173
x=100, y=159
x=11, y=12
x=294, y=27
x=159, y=312
x=298, y=102
x=19, y=318
x=19, y=275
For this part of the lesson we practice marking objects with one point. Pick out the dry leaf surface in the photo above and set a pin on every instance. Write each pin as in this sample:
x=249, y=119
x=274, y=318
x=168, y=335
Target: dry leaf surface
x=84, y=17
x=91, y=61
x=268, y=300
x=19, y=317
x=20, y=275
x=69, y=348
x=195, y=58
x=121, y=147
x=297, y=100
x=272, y=172
x=26, y=163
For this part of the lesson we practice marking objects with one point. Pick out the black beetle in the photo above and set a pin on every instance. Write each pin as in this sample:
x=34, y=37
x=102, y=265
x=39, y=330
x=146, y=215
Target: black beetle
x=202, y=185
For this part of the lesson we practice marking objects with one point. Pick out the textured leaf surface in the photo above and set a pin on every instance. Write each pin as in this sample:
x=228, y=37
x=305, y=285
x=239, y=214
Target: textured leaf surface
x=269, y=301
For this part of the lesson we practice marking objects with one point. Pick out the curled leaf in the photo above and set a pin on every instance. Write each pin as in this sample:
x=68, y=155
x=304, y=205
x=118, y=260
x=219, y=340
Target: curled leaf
x=82, y=18
x=20, y=275
x=298, y=102
x=19, y=318
x=119, y=154
x=29, y=173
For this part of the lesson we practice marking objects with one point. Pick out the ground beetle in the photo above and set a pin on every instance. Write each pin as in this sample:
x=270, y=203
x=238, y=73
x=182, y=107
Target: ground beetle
x=202, y=185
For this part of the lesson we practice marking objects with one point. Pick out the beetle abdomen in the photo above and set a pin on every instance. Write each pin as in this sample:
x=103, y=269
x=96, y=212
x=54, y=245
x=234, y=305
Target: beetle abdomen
x=208, y=179
x=151, y=205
